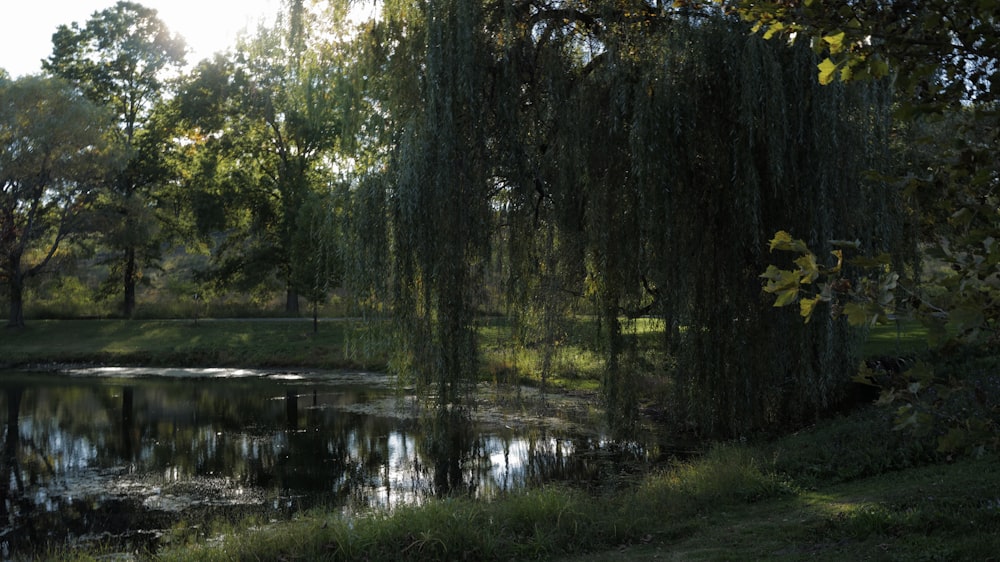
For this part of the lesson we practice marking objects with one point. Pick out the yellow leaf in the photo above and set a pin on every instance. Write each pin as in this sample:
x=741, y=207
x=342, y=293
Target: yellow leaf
x=839, y=254
x=826, y=71
x=786, y=297
x=835, y=41
x=808, y=268
x=771, y=273
x=774, y=28
x=783, y=241
x=806, y=307
x=780, y=280
x=780, y=238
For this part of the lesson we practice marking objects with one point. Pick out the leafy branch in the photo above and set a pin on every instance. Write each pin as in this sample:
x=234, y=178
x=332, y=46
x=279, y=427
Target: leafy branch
x=865, y=301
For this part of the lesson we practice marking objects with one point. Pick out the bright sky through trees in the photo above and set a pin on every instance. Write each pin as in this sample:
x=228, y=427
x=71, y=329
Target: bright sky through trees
x=207, y=26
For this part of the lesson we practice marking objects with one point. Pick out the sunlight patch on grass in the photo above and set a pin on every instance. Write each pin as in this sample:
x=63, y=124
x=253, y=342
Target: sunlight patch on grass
x=904, y=337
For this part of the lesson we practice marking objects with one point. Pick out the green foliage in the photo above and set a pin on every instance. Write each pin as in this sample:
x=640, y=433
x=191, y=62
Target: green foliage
x=864, y=299
x=54, y=151
x=118, y=58
x=317, y=251
x=724, y=474
x=944, y=59
x=955, y=405
x=846, y=448
x=266, y=126
x=65, y=297
x=437, y=187
x=122, y=59
x=951, y=181
x=940, y=52
x=959, y=411
x=570, y=158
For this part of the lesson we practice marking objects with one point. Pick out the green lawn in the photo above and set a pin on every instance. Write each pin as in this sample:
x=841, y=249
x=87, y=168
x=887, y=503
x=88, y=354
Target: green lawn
x=895, y=339
x=183, y=343
x=575, y=363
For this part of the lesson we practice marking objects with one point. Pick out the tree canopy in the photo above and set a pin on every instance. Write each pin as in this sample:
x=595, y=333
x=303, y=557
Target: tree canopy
x=270, y=120
x=122, y=59
x=55, y=151
x=940, y=52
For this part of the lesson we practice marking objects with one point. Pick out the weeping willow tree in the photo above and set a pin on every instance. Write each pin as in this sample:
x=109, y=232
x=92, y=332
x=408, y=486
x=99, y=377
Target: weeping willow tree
x=696, y=144
x=437, y=205
x=422, y=210
x=673, y=151
x=634, y=159
x=757, y=146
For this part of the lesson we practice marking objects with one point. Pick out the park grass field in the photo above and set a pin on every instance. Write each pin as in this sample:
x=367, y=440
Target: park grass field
x=180, y=343
x=335, y=343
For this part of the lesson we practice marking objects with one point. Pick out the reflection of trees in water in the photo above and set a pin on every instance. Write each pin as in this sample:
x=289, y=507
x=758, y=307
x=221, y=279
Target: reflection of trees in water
x=13, y=486
x=280, y=436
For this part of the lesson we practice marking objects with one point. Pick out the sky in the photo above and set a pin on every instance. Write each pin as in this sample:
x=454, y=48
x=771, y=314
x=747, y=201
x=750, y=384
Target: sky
x=207, y=26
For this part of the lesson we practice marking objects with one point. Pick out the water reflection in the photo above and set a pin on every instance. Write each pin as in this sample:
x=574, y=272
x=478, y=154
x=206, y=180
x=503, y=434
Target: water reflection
x=125, y=458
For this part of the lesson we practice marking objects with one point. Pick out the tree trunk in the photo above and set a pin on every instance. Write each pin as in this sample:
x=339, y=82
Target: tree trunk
x=128, y=305
x=16, y=287
x=292, y=301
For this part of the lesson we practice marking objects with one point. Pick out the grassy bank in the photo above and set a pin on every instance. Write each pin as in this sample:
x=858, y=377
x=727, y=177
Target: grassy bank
x=848, y=488
x=732, y=504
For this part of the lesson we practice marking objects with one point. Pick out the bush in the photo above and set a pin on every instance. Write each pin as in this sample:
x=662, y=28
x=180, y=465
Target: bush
x=952, y=399
x=847, y=448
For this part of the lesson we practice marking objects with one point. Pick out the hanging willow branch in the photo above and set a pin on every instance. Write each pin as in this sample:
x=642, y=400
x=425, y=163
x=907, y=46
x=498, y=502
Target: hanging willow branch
x=640, y=158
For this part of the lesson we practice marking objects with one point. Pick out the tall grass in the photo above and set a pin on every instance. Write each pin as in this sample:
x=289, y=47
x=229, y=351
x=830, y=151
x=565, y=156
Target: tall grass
x=707, y=507
x=545, y=523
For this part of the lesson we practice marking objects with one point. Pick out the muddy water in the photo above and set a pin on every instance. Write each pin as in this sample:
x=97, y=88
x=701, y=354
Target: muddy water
x=125, y=457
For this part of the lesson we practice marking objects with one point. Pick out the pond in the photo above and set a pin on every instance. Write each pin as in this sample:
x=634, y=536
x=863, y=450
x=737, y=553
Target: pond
x=124, y=457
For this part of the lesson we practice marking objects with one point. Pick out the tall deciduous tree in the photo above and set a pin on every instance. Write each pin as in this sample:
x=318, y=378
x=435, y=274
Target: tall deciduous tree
x=272, y=116
x=54, y=155
x=123, y=58
x=317, y=249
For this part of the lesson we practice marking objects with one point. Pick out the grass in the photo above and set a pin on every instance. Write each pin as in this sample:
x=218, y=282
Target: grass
x=576, y=361
x=550, y=522
x=930, y=513
x=896, y=339
x=727, y=505
x=183, y=343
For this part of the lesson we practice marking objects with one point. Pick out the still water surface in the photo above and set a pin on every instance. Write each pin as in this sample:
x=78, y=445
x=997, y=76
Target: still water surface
x=122, y=456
